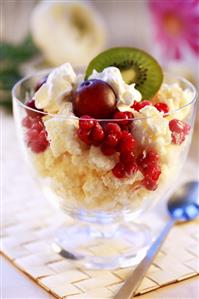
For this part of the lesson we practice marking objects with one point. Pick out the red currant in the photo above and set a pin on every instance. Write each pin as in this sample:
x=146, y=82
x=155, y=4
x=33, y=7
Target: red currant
x=139, y=105
x=152, y=156
x=121, y=118
x=162, y=107
x=127, y=142
x=86, y=122
x=113, y=128
x=129, y=114
x=127, y=158
x=149, y=183
x=176, y=126
x=36, y=136
x=186, y=128
x=153, y=171
x=97, y=134
x=131, y=168
x=177, y=138
x=84, y=136
x=179, y=130
x=119, y=170
x=31, y=135
x=107, y=150
x=148, y=163
x=111, y=140
x=27, y=122
x=37, y=126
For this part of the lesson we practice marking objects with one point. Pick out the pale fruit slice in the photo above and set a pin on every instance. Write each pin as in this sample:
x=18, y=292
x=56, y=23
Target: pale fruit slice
x=67, y=31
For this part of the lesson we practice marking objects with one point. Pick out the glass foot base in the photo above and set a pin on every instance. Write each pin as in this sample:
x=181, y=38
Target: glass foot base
x=110, y=248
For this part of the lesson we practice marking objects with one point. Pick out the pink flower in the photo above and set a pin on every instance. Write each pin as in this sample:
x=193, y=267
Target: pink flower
x=177, y=26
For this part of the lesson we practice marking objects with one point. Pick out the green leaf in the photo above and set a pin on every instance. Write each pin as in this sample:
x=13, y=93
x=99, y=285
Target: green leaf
x=8, y=77
x=18, y=53
x=11, y=57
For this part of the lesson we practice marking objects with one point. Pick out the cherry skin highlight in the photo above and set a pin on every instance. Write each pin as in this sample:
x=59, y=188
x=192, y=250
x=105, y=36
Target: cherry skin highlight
x=94, y=98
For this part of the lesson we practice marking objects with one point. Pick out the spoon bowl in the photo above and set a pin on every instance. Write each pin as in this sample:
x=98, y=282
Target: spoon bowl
x=184, y=203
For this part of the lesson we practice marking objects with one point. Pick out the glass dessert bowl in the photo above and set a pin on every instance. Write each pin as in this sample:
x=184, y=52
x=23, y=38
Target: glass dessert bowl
x=103, y=154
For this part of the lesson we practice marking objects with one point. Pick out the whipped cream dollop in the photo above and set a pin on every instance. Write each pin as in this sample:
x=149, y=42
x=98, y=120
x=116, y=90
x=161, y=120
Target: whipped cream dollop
x=174, y=96
x=59, y=84
x=151, y=128
x=126, y=93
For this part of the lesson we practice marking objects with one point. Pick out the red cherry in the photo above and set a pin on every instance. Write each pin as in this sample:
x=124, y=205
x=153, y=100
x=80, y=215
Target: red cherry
x=127, y=142
x=95, y=98
x=119, y=170
x=86, y=122
x=139, y=105
x=162, y=107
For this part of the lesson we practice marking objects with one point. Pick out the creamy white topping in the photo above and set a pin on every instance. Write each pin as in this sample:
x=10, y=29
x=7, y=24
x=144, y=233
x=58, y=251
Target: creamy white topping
x=126, y=94
x=152, y=129
x=60, y=83
x=62, y=132
x=174, y=96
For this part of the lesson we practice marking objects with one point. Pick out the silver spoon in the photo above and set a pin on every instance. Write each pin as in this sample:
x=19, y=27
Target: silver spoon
x=182, y=206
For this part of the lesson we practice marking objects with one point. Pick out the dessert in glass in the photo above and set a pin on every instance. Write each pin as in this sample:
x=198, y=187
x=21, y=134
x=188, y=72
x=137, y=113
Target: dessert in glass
x=105, y=142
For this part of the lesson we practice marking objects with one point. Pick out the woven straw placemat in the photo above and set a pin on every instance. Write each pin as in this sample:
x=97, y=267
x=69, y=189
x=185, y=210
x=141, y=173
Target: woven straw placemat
x=28, y=226
x=27, y=236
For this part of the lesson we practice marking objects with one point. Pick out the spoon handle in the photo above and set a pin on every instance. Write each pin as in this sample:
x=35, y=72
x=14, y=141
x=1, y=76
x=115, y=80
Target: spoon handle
x=128, y=289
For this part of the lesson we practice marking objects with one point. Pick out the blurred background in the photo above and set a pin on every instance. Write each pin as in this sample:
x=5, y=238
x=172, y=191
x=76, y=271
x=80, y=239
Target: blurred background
x=38, y=34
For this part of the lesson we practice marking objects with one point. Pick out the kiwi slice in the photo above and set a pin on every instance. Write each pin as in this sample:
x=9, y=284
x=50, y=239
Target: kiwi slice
x=136, y=66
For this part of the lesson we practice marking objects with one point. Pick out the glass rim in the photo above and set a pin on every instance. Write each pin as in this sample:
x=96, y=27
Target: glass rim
x=74, y=117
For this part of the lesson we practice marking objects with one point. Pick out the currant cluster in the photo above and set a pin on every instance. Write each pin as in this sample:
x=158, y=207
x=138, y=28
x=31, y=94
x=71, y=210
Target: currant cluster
x=149, y=164
x=162, y=107
x=36, y=135
x=116, y=137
